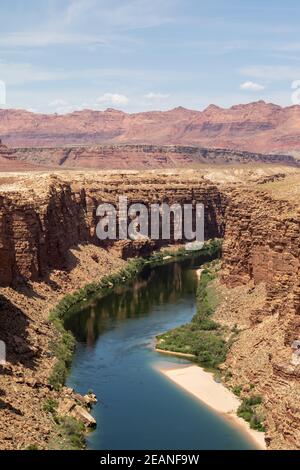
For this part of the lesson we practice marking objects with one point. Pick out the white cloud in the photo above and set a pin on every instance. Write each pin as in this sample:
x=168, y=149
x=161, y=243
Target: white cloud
x=70, y=108
x=76, y=9
x=42, y=39
x=272, y=72
x=156, y=96
x=124, y=14
x=32, y=110
x=113, y=98
x=251, y=86
x=15, y=73
x=67, y=109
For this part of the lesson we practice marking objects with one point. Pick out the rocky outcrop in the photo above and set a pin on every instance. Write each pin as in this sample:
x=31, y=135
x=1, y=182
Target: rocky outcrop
x=77, y=406
x=136, y=157
x=262, y=244
x=38, y=226
x=9, y=163
x=262, y=240
x=256, y=127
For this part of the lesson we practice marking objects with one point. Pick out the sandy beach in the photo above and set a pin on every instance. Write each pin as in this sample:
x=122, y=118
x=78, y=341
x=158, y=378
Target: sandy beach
x=202, y=385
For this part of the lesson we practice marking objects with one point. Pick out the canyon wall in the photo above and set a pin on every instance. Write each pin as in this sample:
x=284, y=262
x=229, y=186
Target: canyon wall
x=262, y=244
x=133, y=157
x=39, y=225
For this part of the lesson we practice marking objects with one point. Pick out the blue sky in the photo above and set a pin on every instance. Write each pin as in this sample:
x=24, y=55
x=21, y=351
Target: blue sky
x=138, y=55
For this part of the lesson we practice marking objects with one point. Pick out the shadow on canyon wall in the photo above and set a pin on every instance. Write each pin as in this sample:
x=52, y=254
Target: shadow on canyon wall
x=13, y=332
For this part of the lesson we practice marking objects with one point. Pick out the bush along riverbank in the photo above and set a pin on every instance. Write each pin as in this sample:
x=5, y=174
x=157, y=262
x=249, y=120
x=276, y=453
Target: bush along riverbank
x=63, y=348
x=209, y=342
x=202, y=337
x=251, y=411
x=70, y=430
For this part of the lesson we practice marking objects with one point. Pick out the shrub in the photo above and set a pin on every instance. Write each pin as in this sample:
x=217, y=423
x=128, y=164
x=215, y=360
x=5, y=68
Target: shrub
x=207, y=324
x=63, y=348
x=202, y=337
x=32, y=447
x=71, y=432
x=253, y=401
x=228, y=375
x=247, y=410
x=50, y=405
x=237, y=390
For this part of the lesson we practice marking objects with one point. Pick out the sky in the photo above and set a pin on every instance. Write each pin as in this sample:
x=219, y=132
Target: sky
x=140, y=55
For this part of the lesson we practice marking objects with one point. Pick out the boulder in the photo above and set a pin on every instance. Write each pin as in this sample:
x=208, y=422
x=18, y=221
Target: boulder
x=82, y=415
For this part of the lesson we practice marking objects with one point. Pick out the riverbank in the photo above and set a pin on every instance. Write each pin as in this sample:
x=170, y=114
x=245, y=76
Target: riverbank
x=202, y=385
x=209, y=342
x=172, y=353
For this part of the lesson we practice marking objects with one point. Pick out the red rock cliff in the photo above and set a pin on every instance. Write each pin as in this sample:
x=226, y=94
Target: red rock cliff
x=259, y=127
x=262, y=244
x=39, y=225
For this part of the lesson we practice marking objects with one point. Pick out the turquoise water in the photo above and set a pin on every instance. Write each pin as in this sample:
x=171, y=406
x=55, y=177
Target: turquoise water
x=138, y=407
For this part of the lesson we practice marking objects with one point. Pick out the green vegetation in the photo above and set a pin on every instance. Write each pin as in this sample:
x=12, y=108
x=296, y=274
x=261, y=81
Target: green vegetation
x=63, y=350
x=237, y=390
x=209, y=348
x=32, y=447
x=249, y=411
x=203, y=337
x=206, y=303
x=210, y=251
x=228, y=375
x=63, y=347
x=50, y=405
x=70, y=434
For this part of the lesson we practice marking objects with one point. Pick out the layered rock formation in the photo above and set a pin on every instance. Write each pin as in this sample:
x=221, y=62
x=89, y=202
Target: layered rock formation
x=48, y=248
x=39, y=224
x=9, y=163
x=136, y=157
x=256, y=127
x=262, y=240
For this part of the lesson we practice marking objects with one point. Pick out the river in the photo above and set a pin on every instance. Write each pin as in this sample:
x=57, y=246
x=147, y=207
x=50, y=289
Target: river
x=138, y=407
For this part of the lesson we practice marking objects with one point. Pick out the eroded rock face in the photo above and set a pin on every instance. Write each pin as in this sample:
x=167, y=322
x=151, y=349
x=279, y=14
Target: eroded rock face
x=141, y=157
x=9, y=163
x=262, y=243
x=38, y=228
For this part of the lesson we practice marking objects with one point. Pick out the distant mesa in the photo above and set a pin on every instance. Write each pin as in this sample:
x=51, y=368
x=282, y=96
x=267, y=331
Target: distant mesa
x=254, y=127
